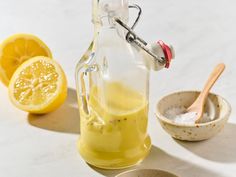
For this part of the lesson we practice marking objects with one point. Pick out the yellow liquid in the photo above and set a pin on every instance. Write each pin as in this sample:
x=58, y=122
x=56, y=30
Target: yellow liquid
x=114, y=133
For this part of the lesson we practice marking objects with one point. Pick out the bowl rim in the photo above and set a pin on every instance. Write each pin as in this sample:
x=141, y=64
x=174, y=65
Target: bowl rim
x=163, y=118
x=141, y=169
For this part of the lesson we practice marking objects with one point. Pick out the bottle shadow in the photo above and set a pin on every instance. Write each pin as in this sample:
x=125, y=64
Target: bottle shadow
x=220, y=148
x=159, y=159
x=65, y=119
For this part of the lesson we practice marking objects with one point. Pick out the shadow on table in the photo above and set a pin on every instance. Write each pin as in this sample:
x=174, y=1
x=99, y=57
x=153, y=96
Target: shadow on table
x=159, y=159
x=65, y=119
x=221, y=148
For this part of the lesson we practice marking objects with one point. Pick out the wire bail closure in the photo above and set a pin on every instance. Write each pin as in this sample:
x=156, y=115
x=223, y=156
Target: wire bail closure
x=132, y=37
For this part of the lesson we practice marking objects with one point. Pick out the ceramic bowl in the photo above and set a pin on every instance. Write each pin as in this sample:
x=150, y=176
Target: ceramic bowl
x=197, y=132
x=146, y=173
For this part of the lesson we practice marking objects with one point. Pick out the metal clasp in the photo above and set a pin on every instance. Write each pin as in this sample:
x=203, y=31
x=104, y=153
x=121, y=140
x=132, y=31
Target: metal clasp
x=132, y=37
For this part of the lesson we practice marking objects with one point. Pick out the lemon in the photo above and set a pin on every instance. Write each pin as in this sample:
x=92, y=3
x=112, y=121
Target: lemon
x=38, y=86
x=16, y=49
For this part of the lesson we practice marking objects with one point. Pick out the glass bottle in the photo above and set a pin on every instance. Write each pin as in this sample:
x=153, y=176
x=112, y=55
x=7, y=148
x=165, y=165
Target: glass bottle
x=112, y=80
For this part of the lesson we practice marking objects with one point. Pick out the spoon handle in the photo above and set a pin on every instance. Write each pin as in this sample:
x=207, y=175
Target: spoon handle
x=211, y=80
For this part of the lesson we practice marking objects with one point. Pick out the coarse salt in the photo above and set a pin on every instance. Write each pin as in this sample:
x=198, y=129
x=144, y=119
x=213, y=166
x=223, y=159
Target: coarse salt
x=178, y=114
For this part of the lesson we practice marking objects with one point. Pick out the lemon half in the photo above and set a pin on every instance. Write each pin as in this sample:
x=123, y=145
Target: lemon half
x=39, y=85
x=17, y=49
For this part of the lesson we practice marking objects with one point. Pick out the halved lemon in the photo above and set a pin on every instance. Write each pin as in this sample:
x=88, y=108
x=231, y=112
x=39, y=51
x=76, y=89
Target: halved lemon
x=38, y=86
x=16, y=49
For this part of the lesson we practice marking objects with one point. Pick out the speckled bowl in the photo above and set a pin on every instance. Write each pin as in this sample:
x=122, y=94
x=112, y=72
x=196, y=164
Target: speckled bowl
x=197, y=132
x=146, y=173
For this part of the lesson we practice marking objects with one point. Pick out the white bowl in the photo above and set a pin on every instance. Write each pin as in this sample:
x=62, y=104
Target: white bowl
x=146, y=173
x=197, y=132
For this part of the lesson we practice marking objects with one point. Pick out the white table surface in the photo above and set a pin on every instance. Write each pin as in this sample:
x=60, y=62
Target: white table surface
x=203, y=34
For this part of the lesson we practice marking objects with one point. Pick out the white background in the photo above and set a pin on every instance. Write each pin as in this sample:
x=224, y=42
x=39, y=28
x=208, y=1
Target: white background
x=203, y=34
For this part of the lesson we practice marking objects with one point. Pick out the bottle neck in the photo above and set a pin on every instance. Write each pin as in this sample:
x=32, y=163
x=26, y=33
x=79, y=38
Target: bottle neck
x=104, y=11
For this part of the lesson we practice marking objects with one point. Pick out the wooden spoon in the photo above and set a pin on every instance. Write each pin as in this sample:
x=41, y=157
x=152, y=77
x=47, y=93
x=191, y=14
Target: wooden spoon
x=198, y=105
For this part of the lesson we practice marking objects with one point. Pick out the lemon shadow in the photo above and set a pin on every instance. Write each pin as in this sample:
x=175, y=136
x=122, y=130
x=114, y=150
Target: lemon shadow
x=159, y=159
x=220, y=148
x=65, y=119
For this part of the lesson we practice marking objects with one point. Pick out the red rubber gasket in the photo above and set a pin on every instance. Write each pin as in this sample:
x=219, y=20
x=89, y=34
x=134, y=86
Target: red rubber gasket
x=167, y=52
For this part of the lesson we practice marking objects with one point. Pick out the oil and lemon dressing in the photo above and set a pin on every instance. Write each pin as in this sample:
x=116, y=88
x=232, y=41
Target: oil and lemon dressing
x=115, y=130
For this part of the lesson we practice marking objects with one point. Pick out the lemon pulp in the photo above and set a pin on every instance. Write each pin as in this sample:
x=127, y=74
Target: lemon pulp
x=114, y=133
